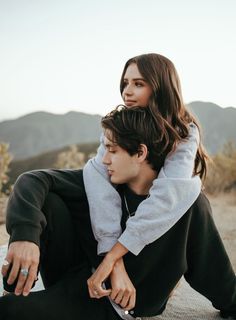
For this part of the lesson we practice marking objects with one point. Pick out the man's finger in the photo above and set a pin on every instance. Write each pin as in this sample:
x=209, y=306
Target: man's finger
x=5, y=266
x=125, y=300
x=132, y=302
x=14, y=271
x=32, y=276
x=23, y=274
x=119, y=297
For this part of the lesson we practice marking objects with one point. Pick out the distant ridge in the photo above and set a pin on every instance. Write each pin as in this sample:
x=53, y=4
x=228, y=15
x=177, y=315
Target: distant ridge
x=218, y=124
x=40, y=132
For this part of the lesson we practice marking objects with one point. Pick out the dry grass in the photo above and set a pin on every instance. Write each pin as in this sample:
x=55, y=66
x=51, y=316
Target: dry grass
x=3, y=202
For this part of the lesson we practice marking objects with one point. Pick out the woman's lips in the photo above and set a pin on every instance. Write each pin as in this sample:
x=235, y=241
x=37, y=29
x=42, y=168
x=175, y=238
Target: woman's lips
x=130, y=103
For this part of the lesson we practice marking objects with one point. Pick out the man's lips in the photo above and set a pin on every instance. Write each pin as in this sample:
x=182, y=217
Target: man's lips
x=110, y=172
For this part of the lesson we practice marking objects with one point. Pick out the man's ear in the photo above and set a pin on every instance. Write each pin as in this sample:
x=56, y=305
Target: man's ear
x=142, y=152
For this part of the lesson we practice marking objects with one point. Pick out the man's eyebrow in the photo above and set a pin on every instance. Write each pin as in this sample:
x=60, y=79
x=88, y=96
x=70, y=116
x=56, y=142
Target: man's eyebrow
x=110, y=144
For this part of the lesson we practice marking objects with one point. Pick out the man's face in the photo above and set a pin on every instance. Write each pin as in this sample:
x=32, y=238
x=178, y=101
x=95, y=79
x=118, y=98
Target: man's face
x=122, y=168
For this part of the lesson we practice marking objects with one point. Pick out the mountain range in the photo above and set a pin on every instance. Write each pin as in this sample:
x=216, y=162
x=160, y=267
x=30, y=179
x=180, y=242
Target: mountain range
x=218, y=124
x=41, y=132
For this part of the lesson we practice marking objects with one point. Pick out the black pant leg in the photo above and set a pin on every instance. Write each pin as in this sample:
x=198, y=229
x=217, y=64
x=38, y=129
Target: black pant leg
x=209, y=269
x=193, y=248
x=66, y=295
x=67, y=299
x=58, y=241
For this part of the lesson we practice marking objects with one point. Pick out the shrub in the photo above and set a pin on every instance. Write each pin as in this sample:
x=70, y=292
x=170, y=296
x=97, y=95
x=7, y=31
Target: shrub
x=5, y=159
x=221, y=175
x=70, y=159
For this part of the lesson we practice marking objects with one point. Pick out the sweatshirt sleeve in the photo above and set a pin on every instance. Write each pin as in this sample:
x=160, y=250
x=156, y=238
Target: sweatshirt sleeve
x=171, y=195
x=104, y=202
x=25, y=219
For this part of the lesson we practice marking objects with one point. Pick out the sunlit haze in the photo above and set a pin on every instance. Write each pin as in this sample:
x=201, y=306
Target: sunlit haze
x=62, y=55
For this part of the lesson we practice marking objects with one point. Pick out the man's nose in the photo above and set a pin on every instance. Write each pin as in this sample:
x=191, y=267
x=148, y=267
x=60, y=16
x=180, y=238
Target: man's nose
x=105, y=159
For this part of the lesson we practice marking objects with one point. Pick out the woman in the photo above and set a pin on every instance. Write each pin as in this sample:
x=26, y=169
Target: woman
x=151, y=80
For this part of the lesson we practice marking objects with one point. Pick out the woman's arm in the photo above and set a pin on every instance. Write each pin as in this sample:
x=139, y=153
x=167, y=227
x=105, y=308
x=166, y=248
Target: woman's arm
x=122, y=290
x=104, y=202
x=171, y=195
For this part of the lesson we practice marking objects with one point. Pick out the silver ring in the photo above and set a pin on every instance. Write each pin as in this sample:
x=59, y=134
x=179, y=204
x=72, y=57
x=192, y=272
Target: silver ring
x=5, y=263
x=24, y=272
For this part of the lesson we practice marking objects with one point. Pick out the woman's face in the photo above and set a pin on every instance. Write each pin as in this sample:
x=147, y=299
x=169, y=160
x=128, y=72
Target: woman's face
x=137, y=91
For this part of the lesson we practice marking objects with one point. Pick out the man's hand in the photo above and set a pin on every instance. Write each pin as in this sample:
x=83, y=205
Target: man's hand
x=22, y=256
x=123, y=292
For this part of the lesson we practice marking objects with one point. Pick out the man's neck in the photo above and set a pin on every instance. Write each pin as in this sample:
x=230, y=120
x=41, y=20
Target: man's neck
x=143, y=182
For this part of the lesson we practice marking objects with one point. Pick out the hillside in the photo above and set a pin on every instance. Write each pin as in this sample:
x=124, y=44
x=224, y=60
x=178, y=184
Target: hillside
x=218, y=124
x=45, y=160
x=41, y=132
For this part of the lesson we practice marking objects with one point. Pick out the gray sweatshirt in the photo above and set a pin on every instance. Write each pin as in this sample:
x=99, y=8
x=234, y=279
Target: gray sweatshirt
x=171, y=195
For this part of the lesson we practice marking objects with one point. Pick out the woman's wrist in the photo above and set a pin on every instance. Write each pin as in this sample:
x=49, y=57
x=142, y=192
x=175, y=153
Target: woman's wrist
x=116, y=253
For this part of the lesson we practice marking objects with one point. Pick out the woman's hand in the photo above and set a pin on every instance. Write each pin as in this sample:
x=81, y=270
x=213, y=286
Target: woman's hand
x=95, y=282
x=23, y=259
x=123, y=292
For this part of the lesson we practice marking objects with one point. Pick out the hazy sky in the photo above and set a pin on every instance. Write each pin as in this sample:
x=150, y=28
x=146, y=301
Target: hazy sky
x=62, y=55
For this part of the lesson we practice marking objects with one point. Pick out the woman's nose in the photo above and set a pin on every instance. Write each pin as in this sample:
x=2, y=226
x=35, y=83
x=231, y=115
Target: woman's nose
x=128, y=90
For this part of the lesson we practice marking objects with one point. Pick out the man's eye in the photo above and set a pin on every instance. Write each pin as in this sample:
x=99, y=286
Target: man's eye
x=112, y=151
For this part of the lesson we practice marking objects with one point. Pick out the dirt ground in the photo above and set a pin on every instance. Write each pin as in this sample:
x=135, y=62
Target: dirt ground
x=224, y=212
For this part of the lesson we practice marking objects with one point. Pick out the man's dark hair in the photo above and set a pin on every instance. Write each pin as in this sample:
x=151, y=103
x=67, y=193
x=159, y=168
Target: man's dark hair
x=131, y=127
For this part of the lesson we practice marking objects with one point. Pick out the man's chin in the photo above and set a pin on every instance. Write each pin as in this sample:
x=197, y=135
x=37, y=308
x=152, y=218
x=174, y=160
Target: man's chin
x=116, y=180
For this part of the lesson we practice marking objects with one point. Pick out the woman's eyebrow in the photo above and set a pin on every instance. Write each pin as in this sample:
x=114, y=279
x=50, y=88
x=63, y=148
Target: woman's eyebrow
x=135, y=79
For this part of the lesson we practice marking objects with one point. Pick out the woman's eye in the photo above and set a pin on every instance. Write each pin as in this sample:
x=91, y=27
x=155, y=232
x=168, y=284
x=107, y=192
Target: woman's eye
x=139, y=84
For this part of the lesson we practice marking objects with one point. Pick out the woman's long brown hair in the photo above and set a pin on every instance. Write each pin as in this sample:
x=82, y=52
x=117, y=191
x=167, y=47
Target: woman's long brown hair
x=166, y=104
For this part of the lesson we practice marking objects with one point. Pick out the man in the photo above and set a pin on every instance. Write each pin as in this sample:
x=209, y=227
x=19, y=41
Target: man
x=59, y=224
